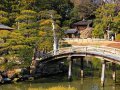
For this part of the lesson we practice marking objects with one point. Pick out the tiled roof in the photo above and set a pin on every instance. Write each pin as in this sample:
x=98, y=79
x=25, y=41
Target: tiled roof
x=71, y=31
x=84, y=22
x=5, y=27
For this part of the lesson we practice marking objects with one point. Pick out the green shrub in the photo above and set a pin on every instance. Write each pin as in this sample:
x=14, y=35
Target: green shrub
x=65, y=44
x=118, y=37
x=96, y=62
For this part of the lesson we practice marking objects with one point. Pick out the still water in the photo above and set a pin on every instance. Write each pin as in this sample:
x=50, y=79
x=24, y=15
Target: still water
x=88, y=83
x=91, y=81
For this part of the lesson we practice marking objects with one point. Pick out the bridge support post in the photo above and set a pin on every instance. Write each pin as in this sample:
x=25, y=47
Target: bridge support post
x=82, y=67
x=70, y=68
x=114, y=71
x=103, y=73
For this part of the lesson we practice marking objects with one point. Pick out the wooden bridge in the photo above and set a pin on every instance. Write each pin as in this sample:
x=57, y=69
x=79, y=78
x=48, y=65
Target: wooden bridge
x=106, y=53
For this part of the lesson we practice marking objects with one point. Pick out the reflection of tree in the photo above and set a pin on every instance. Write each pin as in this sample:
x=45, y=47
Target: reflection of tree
x=35, y=88
x=25, y=86
x=54, y=88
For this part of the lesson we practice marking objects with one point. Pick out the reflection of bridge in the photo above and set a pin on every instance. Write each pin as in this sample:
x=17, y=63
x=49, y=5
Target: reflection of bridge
x=106, y=53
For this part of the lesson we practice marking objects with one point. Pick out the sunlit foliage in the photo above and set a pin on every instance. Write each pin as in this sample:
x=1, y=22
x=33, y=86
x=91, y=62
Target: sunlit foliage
x=106, y=19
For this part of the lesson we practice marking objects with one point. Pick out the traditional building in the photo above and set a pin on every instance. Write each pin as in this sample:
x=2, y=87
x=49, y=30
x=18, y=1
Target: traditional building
x=81, y=29
x=72, y=33
x=4, y=27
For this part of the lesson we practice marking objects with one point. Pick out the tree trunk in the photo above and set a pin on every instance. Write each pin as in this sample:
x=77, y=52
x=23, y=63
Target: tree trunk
x=105, y=36
x=55, y=44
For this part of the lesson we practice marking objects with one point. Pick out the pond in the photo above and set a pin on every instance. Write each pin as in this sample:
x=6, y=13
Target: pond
x=89, y=83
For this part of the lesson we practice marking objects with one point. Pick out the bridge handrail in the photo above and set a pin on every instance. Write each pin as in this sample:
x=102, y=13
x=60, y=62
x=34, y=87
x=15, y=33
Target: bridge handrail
x=104, y=49
x=97, y=49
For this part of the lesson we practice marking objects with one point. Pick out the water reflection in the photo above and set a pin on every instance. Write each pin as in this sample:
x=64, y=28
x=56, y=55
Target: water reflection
x=113, y=87
x=54, y=88
x=82, y=84
x=101, y=88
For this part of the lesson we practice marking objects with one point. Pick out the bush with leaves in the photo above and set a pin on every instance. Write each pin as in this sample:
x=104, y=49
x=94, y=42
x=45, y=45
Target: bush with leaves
x=118, y=37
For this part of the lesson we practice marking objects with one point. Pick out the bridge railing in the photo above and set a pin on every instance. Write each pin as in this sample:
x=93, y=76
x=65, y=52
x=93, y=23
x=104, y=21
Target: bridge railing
x=91, y=49
x=101, y=49
x=83, y=40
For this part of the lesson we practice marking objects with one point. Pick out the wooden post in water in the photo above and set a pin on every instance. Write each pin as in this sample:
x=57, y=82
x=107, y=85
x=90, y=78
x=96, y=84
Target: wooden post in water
x=82, y=67
x=70, y=68
x=103, y=73
x=114, y=71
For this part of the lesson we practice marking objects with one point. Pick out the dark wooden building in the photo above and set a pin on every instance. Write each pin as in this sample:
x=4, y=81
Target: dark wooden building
x=81, y=29
x=71, y=33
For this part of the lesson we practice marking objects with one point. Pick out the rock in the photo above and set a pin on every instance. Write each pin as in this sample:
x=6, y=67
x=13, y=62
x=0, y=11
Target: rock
x=31, y=78
x=5, y=80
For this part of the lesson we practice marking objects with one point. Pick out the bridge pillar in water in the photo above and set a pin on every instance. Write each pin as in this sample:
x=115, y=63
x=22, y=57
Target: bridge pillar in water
x=114, y=71
x=82, y=67
x=103, y=73
x=69, y=59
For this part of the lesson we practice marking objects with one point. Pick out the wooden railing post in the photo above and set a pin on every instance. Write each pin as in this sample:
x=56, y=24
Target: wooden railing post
x=86, y=48
x=115, y=51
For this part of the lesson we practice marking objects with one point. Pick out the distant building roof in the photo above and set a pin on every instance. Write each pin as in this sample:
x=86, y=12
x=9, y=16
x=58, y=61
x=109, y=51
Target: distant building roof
x=71, y=31
x=4, y=27
x=83, y=23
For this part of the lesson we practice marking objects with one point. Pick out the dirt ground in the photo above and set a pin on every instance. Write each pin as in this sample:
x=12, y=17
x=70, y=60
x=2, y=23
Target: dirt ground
x=94, y=42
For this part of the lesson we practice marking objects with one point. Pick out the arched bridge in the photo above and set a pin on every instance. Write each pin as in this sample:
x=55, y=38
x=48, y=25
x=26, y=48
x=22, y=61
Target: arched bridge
x=109, y=53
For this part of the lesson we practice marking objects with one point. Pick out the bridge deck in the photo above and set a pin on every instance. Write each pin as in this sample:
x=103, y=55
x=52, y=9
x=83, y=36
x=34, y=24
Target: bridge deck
x=102, y=51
